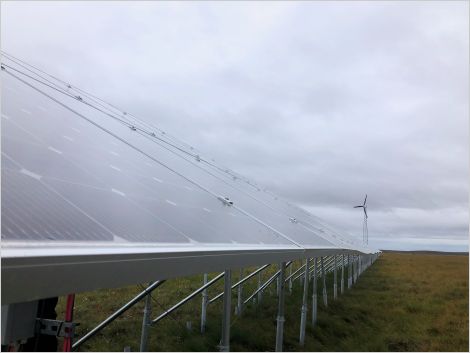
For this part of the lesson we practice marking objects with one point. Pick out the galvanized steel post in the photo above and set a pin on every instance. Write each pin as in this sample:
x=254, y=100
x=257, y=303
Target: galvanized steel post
x=117, y=313
x=314, y=295
x=205, y=298
x=239, y=292
x=303, y=311
x=325, y=294
x=225, y=342
x=280, y=313
x=349, y=272
x=353, y=267
x=335, y=278
x=278, y=287
x=290, y=278
x=342, y=273
x=355, y=270
x=260, y=294
x=146, y=323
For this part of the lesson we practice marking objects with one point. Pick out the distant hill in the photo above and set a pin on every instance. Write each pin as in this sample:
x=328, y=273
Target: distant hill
x=429, y=252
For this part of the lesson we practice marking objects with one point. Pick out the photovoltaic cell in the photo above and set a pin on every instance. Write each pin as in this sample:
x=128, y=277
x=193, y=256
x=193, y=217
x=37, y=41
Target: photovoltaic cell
x=32, y=211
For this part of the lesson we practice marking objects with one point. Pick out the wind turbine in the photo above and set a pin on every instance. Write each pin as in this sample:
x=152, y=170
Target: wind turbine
x=365, y=230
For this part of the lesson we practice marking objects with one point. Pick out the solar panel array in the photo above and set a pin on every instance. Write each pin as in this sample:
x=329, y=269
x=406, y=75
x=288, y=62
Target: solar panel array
x=78, y=170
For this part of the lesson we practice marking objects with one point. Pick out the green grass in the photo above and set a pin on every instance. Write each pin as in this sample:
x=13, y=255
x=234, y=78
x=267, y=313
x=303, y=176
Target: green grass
x=404, y=302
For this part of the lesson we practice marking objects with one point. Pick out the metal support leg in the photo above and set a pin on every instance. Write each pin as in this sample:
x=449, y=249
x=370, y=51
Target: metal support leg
x=116, y=314
x=280, y=313
x=260, y=293
x=205, y=298
x=146, y=323
x=353, y=267
x=314, y=295
x=355, y=270
x=349, y=272
x=278, y=287
x=225, y=342
x=352, y=270
x=325, y=295
x=335, y=278
x=342, y=274
x=239, y=292
x=303, y=313
x=290, y=278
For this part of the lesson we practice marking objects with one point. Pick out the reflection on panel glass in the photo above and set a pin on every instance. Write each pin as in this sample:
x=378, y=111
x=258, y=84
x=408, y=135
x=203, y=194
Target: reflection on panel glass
x=74, y=173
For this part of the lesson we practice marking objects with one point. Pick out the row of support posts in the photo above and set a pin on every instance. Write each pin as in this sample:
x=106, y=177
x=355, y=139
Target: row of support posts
x=352, y=262
x=356, y=265
x=355, y=268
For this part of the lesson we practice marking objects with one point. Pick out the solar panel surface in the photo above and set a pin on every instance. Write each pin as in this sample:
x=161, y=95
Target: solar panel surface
x=81, y=178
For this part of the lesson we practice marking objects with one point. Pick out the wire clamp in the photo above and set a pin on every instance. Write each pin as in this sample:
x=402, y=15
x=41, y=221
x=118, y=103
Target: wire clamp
x=197, y=158
x=79, y=98
x=226, y=201
x=3, y=68
x=56, y=328
x=153, y=134
x=133, y=128
x=293, y=220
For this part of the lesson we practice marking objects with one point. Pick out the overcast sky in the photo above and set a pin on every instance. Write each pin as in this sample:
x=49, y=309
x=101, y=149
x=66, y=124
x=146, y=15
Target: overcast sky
x=321, y=102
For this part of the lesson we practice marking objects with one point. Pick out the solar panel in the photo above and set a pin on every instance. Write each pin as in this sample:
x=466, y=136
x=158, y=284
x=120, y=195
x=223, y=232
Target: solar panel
x=80, y=178
x=126, y=196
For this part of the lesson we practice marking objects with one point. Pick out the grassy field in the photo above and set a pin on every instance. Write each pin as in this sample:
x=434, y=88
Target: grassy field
x=404, y=302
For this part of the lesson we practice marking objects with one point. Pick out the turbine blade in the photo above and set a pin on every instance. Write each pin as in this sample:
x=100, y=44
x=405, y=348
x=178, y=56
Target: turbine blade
x=358, y=206
x=365, y=212
x=365, y=200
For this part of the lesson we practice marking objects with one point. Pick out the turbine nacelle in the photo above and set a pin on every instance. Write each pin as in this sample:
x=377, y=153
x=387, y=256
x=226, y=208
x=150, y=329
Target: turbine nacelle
x=363, y=206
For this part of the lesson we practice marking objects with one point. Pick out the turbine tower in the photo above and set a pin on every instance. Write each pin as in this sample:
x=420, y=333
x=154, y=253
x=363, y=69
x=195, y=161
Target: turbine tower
x=365, y=230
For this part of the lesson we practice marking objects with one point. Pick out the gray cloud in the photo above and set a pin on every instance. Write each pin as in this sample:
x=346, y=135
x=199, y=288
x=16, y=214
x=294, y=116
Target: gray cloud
x=320, y=102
